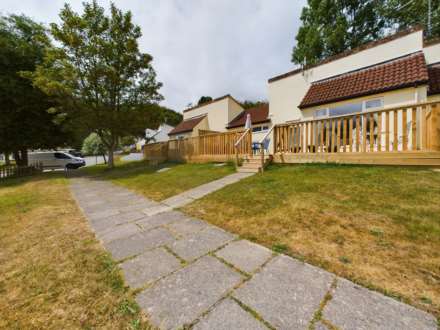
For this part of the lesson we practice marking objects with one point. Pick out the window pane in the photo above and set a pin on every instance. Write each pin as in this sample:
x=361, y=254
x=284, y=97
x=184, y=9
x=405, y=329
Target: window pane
x=265, y=128
x=320, y=113
x=256, y=129
x=346, y=109
x=373, y=104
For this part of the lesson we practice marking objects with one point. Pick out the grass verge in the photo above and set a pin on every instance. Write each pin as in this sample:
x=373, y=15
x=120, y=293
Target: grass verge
x=54, y=274
x=378, y=226
x=145, y=179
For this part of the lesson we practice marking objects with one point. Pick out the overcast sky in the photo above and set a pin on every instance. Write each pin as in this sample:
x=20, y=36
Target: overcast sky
x=202, y=47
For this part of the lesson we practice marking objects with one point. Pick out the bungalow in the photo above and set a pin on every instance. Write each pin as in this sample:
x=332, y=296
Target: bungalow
x=213, y=116
x=398, y=70
x=260, y=119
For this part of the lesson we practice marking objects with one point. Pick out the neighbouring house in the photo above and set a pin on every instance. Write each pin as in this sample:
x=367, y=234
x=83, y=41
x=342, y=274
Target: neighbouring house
x=398, y=70
x=260, y=119
x=213, y=116
x=155, y=135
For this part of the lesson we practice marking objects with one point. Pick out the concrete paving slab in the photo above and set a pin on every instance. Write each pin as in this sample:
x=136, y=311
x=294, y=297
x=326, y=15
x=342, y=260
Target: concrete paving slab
x=187, y=226
x=245, y=255
x=229, y=315
x=153, y=210
x=182, y=297
x=177, y=201
x=118, y=232
x=149, y=266
x=161, y=219
x=321, y=326
x=138, y=243
x=103, y=223
x=195, y=245
x=102, y=214
x=286, y=292
x=355, y=307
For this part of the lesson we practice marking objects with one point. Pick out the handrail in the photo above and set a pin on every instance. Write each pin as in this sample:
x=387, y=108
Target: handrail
x=267, y=134
x=241, y=137
x=401, y=107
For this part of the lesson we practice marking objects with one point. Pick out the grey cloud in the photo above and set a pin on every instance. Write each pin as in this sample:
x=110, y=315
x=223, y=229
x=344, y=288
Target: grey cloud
x=203, y=47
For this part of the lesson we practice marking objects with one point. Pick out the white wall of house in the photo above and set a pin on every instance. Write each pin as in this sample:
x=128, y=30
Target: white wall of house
x=219, y=113
x=286, y=94
x=432, y=53
x=160, y=135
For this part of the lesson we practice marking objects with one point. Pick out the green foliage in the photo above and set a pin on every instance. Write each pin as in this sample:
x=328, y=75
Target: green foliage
x=333, y=26
x=93, y=145
x=204, y=99
x=99, y=75
x=247, y=104
x=25, y=122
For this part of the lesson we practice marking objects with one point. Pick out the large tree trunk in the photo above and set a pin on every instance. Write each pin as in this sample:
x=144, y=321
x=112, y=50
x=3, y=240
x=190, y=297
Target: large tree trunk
x=21, y=157
x=24, y=157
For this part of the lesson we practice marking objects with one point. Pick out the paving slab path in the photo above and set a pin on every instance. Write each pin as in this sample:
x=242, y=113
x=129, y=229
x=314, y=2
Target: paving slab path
x=191, y=274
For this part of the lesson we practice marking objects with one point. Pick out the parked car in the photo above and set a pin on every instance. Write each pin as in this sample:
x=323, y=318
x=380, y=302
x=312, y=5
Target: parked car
x=56, y=159
x=75, y=153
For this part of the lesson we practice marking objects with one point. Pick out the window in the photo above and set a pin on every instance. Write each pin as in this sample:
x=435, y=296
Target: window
x=346, y=109
x=61, y=155
x=262, y=128
x=320, y=113
x=376, y=103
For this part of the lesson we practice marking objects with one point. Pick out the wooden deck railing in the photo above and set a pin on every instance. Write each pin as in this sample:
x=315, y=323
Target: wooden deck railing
x=218, y=146
x=406, y=128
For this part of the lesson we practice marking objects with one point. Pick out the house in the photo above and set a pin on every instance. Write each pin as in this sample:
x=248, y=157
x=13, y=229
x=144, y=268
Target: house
x=213, y=116
x=398, y=70
x=260, y=120
x=155, y=135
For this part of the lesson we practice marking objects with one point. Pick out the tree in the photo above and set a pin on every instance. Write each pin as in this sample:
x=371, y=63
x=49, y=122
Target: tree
x=93, y=146
x=333, y=26
x=171, y=117
x=98, y=74
x=247, y=104
x=204, y=99
x=401, y=15
x=25, y=122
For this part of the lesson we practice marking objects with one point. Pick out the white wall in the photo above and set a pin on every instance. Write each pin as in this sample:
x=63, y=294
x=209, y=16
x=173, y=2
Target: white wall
x=432, y=53
x=286, y=94
x=220, y=113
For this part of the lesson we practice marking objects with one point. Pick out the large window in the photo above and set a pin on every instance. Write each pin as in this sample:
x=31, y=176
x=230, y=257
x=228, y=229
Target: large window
x=262, y=128
x=348, y=108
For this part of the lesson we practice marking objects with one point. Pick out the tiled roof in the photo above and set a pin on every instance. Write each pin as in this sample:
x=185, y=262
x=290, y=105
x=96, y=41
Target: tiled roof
x=434, y=79
x=258, y=114
x=349, y=52
x=186, y=125
x=406, y=71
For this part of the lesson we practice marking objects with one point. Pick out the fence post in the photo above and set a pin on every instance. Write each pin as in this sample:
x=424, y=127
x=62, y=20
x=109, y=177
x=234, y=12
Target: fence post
x=262, y=156
x=435, y=128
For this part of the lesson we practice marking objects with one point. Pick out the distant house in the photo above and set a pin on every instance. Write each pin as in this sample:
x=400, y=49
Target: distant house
x=155, y=135
x=213, y=116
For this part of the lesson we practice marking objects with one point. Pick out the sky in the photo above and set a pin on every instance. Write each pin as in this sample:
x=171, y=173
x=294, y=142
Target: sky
x=202, y=47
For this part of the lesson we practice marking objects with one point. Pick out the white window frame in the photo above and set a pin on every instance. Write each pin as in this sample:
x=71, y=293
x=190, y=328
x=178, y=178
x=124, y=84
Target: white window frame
x=364, y=108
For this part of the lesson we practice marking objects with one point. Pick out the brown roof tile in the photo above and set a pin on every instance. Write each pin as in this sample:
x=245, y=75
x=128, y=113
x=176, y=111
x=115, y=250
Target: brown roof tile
x=403, y=72
x=187, y=125
x=258, y=114
x=349, y=52
x=434, y=79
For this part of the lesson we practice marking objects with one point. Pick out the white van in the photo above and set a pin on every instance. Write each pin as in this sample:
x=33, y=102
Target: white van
x=56, y=159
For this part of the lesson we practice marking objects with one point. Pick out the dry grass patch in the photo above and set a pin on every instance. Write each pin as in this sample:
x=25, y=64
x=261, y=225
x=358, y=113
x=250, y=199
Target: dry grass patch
x=54, y=274
x=378, y=226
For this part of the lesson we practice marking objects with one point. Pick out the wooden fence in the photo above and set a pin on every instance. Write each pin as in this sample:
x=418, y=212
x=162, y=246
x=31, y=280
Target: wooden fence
x=404, y=129
x=9, y=171
x=204, y=148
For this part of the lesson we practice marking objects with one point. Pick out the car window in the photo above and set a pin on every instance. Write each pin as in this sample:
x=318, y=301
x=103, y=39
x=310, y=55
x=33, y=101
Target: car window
x=60, y=155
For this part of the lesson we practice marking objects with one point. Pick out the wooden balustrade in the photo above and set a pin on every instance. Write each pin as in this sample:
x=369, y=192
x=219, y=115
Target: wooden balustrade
x=218, y=146
x=407, y=128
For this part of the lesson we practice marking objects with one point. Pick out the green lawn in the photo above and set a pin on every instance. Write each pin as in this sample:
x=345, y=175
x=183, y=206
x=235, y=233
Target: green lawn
x=146, y=179
x=378, y=226
x=54, y=273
